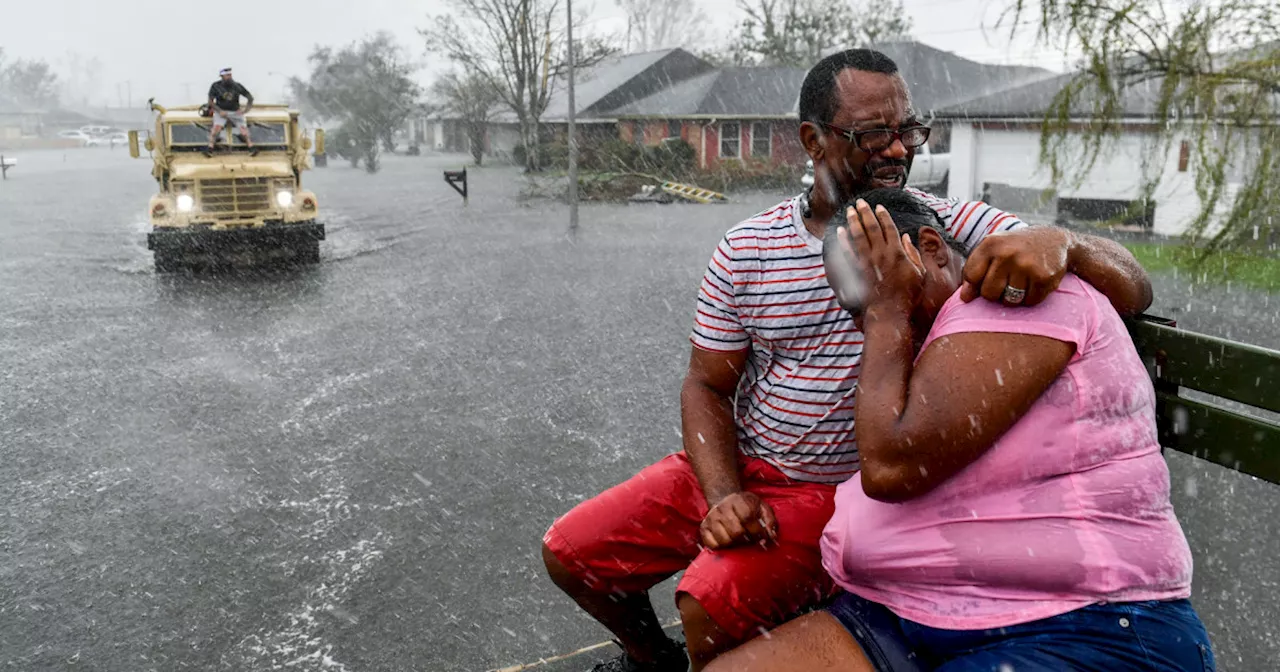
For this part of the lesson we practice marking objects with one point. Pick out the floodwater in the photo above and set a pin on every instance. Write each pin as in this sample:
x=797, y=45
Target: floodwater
x=349, y=467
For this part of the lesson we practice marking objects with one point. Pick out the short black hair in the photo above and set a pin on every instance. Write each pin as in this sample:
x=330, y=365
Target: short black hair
x=818, y=93
x=909, y=213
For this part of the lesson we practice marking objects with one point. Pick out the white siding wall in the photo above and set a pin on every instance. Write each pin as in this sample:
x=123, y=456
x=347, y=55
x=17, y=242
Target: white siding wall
x=962, y=183
x=1012, y=157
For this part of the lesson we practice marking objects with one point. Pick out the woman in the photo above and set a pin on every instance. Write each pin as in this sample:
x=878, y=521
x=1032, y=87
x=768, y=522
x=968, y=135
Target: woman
x=1012, y=511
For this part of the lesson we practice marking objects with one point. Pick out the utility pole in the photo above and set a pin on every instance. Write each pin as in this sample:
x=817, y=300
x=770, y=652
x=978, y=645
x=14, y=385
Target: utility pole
x=573, y=141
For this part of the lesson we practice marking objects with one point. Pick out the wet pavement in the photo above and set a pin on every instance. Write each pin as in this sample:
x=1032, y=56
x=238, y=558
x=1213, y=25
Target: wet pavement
x=349, y=467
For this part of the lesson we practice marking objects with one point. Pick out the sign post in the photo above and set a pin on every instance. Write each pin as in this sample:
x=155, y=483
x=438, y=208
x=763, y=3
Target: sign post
x=458, y=180
x=573, y=141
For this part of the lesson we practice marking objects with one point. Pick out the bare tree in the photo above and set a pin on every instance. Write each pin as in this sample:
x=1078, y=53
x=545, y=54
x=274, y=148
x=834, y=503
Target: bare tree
x=25, y=83
x=1210, y=70
x=798, y=32
x=518, y=48
x=662, y=24
x=469, y=98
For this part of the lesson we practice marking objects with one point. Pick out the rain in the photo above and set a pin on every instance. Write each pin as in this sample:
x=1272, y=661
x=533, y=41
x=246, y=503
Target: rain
x=338, y=449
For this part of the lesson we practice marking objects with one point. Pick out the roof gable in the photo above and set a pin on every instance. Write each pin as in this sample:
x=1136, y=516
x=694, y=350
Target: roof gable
x=725, y=92
x=938, y=78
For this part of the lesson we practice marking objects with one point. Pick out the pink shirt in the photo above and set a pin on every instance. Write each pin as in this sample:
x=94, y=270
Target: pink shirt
x=1070, y=507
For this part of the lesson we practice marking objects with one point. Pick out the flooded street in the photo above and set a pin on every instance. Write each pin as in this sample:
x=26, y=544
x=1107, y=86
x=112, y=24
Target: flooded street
x=349, y=467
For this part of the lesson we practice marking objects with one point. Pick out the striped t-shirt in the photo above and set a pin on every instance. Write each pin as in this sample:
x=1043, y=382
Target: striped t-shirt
x=766, y=290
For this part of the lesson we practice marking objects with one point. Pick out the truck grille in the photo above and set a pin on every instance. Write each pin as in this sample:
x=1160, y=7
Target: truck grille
x=236, y=195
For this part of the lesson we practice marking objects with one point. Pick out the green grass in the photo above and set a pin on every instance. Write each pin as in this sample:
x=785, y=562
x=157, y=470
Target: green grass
x=1220, y=267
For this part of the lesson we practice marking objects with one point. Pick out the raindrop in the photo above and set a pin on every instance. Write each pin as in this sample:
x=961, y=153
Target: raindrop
x=1191, y=488
x=1181, y=420
x=999, y=377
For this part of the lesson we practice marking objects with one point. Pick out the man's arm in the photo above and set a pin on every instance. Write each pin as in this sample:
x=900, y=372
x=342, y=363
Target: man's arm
x=706, y=415
x=734, y=515
x=248, y=105
x=1035, y=259
x=1005, y=251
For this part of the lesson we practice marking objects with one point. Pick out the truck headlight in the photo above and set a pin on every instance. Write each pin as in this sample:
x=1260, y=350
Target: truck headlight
x=284, y=198
x=185, y=203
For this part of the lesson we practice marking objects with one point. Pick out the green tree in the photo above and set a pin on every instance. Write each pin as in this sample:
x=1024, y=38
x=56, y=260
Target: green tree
x=25, y=83
x=798, y=33
x=1209, y=71
x=471, y=99
x=366, y=87
x=519, y=48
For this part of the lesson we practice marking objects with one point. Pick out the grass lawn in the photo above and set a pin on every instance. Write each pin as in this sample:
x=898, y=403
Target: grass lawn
x=1221, y=267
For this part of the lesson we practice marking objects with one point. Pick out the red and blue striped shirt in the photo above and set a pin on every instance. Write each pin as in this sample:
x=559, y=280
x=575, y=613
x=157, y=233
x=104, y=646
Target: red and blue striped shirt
x=766, y=290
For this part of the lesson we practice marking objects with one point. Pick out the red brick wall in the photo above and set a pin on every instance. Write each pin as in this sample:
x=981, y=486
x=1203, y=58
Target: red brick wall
x=786, y=144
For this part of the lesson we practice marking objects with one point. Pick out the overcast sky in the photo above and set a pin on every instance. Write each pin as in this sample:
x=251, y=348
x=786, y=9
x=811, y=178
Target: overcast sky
x=165, y=49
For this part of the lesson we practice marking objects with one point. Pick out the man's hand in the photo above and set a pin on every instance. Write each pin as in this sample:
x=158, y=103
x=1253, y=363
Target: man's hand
x=1033, y=259
x=738, y=519
x=888, y=262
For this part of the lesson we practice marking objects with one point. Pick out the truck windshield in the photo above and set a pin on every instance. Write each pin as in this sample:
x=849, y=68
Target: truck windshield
x=197, y=133
x=263, y=134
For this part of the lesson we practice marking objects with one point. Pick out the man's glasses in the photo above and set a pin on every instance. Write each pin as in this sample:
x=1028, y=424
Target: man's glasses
x=879, y=139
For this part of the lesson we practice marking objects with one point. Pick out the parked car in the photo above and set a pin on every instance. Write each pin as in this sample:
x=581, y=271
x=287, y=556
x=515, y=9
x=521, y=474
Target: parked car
x=117, y=139
x=94, y=131
x=80, y=136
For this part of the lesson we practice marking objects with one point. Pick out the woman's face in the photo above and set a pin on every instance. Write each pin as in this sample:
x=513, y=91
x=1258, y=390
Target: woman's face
x=942, y=276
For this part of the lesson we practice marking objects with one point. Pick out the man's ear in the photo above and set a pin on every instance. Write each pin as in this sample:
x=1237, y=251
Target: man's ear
x=813, y=141
x=933, y=247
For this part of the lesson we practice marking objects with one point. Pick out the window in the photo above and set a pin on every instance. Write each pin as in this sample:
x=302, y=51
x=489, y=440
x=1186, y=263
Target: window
x=673, y=129
x=761, y=140
x=730, y=140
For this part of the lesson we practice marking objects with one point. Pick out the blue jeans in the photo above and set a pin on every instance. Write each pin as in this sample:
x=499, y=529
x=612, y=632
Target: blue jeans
x=1123, y=637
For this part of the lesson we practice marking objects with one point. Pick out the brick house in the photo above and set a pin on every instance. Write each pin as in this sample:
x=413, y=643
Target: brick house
x=726, y=114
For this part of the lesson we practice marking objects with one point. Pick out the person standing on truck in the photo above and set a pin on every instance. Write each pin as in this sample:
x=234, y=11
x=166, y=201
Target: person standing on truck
x=767, y=402
x=224, y=104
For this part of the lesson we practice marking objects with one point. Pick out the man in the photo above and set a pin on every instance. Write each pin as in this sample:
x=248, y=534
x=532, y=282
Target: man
x=224, y=103
x=767, y=403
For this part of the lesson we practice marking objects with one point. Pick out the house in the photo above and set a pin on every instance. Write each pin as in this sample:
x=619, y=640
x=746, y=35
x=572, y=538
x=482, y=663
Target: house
x=725, y=114
x=599, y=89
x=729, y=113
x=996, y=146
x=737, y=113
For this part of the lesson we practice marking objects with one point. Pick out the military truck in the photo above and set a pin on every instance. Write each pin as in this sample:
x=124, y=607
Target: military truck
x=230, y=207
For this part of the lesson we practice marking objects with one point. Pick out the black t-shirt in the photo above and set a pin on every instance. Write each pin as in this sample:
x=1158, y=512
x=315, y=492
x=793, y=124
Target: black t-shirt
x=227, y=94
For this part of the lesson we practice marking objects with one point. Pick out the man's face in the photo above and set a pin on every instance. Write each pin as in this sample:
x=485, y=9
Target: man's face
x=868, y=101
x=226, y=77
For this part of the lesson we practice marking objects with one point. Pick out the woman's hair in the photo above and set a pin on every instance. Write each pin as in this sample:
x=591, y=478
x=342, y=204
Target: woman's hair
x=909, y=213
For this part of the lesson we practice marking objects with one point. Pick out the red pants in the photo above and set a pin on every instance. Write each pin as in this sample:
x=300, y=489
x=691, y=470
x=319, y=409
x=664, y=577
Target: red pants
x=637, y=534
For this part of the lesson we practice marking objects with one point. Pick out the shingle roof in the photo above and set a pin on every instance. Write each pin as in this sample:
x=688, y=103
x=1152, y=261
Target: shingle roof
x=938, y=78
x=934, y=77
x=617, y=81
x=726, y=92
x=1030, y=101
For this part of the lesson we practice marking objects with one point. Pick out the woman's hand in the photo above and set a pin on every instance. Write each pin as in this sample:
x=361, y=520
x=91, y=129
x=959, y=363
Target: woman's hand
x=889, y=262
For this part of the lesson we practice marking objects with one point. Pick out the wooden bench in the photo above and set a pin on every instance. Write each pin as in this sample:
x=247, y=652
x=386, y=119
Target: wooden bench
x=1240, y=433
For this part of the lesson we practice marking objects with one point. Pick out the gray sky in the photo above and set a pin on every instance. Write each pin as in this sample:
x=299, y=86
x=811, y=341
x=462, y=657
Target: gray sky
x=164, y=49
